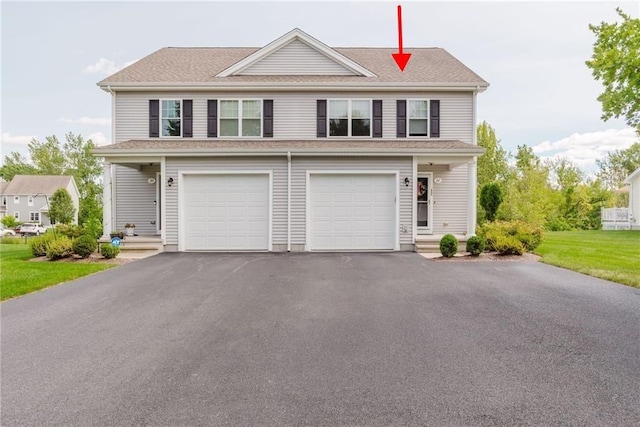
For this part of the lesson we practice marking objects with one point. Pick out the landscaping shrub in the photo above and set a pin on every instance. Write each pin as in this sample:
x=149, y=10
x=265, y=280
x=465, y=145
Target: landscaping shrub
x=529, y=236
x=59, y=248
x=85, y=245
x=108, y=251
x=448, y=245
x=70, y=231
x=490, y=199
x=38, y=245
x=508, y=245
x=475, y=245
x=93, y=227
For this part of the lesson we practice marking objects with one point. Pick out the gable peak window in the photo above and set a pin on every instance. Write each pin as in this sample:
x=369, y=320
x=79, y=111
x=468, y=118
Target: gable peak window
x=349, y=117
x=240, y=117
x=171, y=117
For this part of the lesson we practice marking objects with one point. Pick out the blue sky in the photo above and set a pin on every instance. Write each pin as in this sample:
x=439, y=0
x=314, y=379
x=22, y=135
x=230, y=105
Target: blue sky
x=532, y=53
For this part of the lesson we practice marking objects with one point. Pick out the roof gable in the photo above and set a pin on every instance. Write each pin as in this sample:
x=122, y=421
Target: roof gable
x=37, y=184
x=632, y=176
x=296, y=53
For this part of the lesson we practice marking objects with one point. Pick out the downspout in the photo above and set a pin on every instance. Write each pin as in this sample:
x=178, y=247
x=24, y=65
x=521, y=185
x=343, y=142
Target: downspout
x=288, y=201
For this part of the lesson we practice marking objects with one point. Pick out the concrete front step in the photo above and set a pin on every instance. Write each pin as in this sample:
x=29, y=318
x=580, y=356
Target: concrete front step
x=138, y=246
x=431, y=244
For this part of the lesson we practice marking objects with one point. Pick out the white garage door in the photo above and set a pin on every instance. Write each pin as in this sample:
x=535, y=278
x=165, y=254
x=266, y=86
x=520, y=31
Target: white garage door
x=226, y=212
x=352, y=212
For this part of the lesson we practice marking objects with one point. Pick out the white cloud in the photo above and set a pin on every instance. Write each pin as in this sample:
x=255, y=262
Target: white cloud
x=105, y=66
x=584, y=148
x=99, y=121
x=7, y=138
x=99, y=138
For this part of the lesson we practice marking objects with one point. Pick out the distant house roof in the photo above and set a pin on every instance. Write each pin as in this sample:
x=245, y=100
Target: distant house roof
x=209, y=66
x=34, y=184
x=3, y=186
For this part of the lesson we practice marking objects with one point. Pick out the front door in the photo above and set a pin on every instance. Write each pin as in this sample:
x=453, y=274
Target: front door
x=424, y=211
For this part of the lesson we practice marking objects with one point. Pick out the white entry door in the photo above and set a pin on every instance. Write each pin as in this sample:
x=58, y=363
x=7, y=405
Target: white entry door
x=226, y=212
x=424, y=204
x=352, y=212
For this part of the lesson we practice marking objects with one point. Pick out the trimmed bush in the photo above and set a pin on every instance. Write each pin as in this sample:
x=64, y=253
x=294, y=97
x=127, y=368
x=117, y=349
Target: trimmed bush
x=70, y=231
x=529, y=236
x=508, y=245
x=108, y=251
x=490, y=199
x=85, y=245
x=475, y=245
x=38, y=245
x=448, y=245
x=93, y=227
x=59, y=248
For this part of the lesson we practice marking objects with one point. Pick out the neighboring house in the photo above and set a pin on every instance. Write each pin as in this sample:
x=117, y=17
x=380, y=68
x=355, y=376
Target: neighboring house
x=27, y=196
x=3, y=197
x=629, y=217
x=293, y=146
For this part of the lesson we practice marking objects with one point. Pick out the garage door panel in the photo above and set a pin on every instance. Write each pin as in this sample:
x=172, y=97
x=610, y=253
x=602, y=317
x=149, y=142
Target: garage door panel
x=352, y=211
x=226, y=212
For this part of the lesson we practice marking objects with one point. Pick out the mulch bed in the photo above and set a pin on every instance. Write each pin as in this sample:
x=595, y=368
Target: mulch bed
x=491, y=256
x=93, y=258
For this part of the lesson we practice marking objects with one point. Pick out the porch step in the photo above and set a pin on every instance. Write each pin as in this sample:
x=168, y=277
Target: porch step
x=431, y=244
x=138, y=246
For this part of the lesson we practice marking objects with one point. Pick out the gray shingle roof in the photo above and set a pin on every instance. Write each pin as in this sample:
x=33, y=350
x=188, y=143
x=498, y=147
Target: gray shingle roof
x=265, y=145
x=183, y=65
x=31, y=185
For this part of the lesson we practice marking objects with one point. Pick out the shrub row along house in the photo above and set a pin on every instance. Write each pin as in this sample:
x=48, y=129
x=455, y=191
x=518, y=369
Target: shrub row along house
x=293, y=146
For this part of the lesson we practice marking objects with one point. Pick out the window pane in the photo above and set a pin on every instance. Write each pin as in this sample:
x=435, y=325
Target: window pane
x=251, y=127
x=360, y=127
x=228, y=127
x=229, y=110
x=360, y=109
x=418, y=127
x=170, y=109
x=170, y=127
x=338, y=109
x=251, y=109
x=338, y=127
x=418, y=109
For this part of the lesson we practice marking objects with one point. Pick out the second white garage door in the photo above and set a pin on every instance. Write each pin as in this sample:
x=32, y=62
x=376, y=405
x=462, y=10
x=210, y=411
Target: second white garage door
x=352, y=212
x=226, y=212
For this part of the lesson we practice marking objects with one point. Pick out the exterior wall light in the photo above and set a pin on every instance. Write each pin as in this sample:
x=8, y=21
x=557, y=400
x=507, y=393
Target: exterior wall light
x=406, y=181
x=169, y=182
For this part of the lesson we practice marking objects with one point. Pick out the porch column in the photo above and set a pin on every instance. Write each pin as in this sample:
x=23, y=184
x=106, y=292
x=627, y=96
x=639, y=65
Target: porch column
x=106, y=200
x=472, y=184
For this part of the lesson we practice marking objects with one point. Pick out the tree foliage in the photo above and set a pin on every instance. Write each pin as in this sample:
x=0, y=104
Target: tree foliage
x=616, y=63
x=61, y=209
x=492, y=165
x=617, y=165
x=490, y=199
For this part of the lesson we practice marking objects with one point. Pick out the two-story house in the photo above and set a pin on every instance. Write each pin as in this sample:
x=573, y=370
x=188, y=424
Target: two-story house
x=26, y=197
x=293, y=146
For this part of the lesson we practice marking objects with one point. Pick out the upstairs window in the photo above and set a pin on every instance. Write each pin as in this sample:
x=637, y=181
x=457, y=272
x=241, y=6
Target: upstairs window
x=349, y=117
x=418, y=122
x=171, y=118
x=16, y=200
x=242, y=117
x=30, y=200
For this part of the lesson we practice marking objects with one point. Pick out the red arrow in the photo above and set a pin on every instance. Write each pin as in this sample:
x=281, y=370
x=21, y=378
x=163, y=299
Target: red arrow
x=400, y=58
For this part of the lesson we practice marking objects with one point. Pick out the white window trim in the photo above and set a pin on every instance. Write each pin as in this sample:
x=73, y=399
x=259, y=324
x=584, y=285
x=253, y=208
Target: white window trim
x=181, y=118
x=32, y=214
x=16, y=200
x=349, y=118
x=428, y=135
x=240, y=101
x=29, y=200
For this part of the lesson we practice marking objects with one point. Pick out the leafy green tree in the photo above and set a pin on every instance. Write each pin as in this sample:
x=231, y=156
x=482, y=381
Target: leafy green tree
x=9, y=221
x=617, y=165
x=16, y=164
x=492, y=165
x=616, y=62
x=490, y=199
x=48, y=156
x=61, y=209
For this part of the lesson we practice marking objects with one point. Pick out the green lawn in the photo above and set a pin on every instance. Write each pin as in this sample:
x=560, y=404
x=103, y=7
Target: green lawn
x=611, y=255
x=19, y=276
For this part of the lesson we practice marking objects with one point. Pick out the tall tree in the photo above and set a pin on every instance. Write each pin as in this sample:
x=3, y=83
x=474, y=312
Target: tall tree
x=16, y=164
x=617, y=165
x=492, y=165
x=61, y=210
x=616, y=62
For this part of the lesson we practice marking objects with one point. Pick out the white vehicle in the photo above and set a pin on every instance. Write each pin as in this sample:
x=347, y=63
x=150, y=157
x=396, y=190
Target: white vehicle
x=6, y=231
x=31, y=228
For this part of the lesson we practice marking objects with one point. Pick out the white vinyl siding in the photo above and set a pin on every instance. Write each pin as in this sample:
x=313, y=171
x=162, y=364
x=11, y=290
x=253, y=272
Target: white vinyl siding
x=277, y=165
x=135, y=198
x=294, y=114
x=300, y=166
x=449, y=198
x=297, y=58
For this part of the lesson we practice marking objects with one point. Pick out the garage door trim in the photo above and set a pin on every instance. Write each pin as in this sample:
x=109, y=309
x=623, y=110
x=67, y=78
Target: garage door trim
x=182, y=199
x=394, y=173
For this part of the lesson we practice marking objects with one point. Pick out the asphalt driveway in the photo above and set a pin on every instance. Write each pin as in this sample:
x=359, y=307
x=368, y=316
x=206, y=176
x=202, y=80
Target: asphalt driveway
x=323, y=339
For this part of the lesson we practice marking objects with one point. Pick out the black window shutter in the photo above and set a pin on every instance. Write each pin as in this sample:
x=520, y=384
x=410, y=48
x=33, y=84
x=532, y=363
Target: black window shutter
x=154, y=118
x=377, y=118
x=267, y=119
x=187, y=118
x=322, y=118
x=401, y=125
x=434, y=122
x=212, y=118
